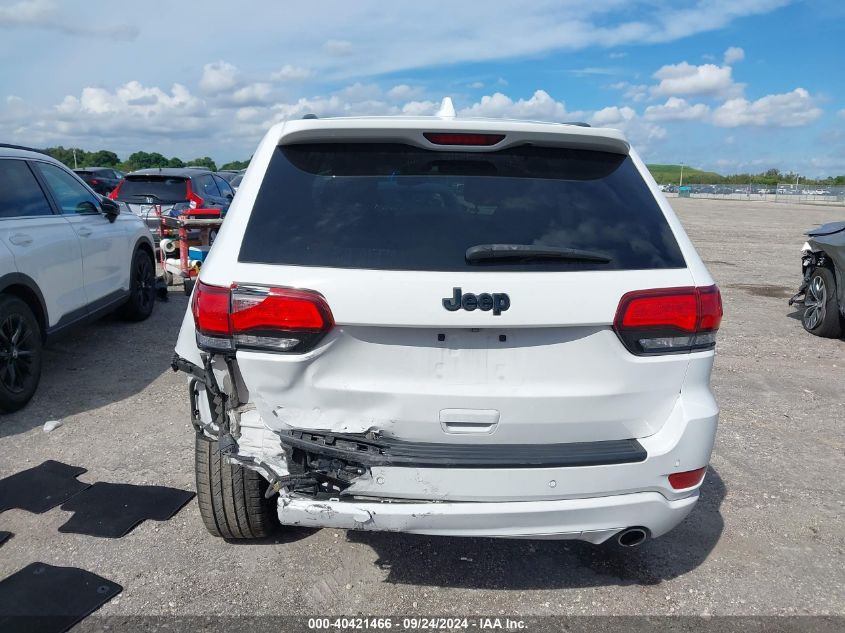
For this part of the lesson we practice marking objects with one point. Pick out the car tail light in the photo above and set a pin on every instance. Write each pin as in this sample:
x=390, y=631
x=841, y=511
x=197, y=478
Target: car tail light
x=113, y=195
x=259, y=318
x=194, y=201
x=687, y=479
x=669, y=320
x=485, y=140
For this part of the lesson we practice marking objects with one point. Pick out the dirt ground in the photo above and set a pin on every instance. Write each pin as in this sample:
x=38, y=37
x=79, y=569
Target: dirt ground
x=767, y=537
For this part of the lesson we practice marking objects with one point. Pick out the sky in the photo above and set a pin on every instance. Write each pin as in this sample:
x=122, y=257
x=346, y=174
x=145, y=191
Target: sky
x=727, y=85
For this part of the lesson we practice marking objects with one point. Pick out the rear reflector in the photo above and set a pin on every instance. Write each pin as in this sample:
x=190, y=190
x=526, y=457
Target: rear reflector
x=669, y=320
x=484, y=140
x=687, y=479
x=258, y=317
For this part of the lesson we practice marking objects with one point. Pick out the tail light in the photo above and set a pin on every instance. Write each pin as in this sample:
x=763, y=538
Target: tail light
x=259, y=318
x=687, y=479
x=113, y=195
x=669, y=320
x=94, y=181
x=194, y=201
x=485, y=140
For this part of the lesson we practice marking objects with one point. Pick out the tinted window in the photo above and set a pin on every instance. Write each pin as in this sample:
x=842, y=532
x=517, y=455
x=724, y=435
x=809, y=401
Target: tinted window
x=21, y=194
x=224, y=186
x=206, y=186
x=236, y=182
x=71, y=196
x=396, y=207
x=160, y=188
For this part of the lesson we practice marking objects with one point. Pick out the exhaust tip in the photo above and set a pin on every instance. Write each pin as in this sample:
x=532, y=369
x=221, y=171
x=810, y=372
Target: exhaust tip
x=632, y=537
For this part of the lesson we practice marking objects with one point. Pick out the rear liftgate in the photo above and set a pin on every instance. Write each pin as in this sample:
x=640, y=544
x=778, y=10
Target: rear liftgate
x=322, y=464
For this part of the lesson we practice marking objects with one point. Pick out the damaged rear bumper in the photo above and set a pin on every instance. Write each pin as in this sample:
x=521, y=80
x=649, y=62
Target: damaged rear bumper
x=594, y=519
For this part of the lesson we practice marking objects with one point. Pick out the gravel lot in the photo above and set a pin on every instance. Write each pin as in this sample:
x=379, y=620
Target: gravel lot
x=768, y=536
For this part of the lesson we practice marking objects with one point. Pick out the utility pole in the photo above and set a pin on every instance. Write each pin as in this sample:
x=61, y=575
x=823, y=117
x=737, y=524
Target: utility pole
x=74, y=159
x=681, y=183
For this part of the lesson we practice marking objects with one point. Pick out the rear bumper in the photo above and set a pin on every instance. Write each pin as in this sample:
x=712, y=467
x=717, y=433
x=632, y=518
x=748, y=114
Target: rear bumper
x=594, y=519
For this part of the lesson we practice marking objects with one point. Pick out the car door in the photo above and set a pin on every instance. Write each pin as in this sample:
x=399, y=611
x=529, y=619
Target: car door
x=104, y=244
x=225, y=191
x=209, y=192
x=43, y=244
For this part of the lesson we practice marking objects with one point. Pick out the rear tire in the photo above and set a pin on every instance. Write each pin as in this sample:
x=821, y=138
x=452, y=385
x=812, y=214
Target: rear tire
x=142, y=288
x=20, y=353
x=231, y=497
x=821, y=307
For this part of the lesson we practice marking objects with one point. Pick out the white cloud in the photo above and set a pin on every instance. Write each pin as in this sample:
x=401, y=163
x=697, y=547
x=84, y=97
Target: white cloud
x=734, y=54
x=338, y=47
x=631, y=92
x=641, y=133
x=132, y=115
x=676, y=109
x=420, y=108
x=841, y=113
x=292, y=73
x=476, y=85
x=358, y=92
x=591, y=70
x=218, y=77
x=252, y=93
x=687, y=79
x=791, y=109
x=618, y=55
x=541, y=106
x=45, y=14
x=403, y=92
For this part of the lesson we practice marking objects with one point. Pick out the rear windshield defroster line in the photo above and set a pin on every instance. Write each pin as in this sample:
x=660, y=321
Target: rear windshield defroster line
x=397, y=207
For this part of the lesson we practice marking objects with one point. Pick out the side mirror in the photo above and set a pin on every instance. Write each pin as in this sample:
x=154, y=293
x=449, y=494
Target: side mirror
x=110, y=208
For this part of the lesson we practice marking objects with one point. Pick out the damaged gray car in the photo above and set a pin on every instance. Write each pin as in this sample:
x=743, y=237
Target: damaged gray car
x=821, y=291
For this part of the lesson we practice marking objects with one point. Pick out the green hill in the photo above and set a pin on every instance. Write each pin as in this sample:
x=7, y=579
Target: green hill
x=666, y=174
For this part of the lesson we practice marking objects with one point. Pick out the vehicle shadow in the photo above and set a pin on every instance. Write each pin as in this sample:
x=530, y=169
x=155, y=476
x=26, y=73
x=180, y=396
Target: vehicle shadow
x=521, y=564
x=101, y=363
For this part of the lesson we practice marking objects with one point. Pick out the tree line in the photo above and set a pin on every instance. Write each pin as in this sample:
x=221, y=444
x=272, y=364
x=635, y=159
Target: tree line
x=136, y=160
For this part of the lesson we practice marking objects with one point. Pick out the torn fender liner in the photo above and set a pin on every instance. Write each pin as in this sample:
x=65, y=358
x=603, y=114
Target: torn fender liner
x=41, y=488
x=41, y=598
x=385, y=451
x=112, y=510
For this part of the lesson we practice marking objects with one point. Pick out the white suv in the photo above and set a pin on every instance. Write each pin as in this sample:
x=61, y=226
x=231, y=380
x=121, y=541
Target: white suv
x=450, y=326
x=67, y=256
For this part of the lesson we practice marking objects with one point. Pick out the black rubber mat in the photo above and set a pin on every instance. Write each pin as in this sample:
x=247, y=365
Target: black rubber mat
x=41, y=488
x=4, y=536
x=112, y=510
x=41, y=598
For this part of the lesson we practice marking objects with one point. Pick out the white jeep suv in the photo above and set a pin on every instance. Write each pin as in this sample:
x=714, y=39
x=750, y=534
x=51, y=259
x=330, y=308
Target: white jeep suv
x=450, y=326
x=67, y=255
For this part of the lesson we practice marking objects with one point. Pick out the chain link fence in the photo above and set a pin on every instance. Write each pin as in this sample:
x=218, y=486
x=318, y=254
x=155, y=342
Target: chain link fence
x=807, y=194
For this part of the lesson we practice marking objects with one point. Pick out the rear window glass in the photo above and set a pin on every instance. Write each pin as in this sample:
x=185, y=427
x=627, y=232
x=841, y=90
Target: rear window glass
x=159, y=188
x=396, y=207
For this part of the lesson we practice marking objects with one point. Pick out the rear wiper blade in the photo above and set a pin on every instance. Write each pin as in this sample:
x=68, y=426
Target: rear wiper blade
x=494, y=252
